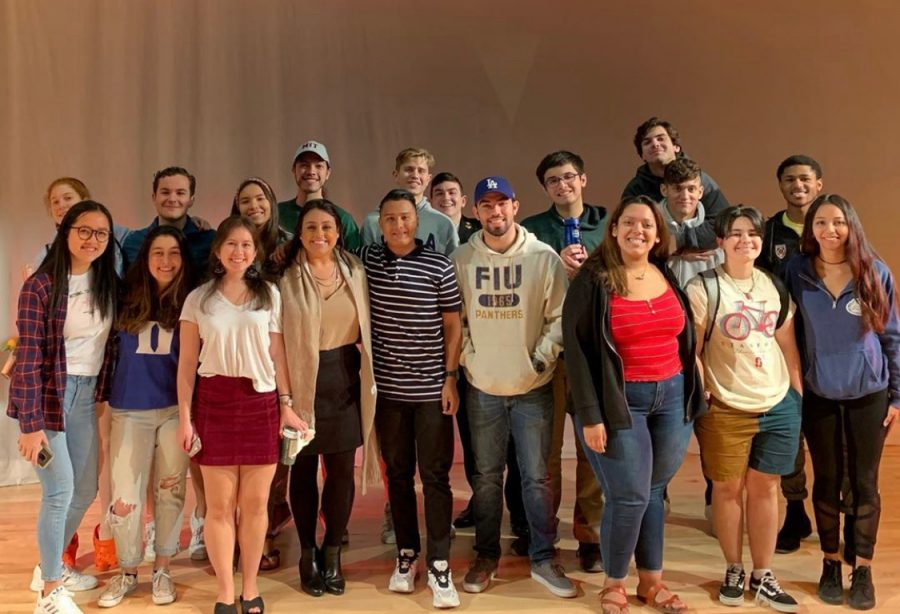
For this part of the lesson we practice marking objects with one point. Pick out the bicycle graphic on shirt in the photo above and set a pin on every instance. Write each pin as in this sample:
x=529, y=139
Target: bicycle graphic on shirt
x=737, y=326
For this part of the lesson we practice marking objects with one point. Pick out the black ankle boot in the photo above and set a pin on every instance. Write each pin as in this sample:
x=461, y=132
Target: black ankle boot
x=331, y=570
x=796, y=527
x=310, y=577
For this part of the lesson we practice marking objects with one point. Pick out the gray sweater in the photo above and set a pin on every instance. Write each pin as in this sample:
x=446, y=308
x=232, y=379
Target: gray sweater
x=685, y=270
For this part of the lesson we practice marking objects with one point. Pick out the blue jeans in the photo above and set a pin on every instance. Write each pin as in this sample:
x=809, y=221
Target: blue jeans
x=69, y=482
x=634, y=471
x=528, y=418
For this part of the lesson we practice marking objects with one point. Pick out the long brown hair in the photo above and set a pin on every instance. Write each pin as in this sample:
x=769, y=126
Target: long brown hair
x=142, y=300
x=605, y=263
x=873, y=298
x=269, y=235
x=256, y=283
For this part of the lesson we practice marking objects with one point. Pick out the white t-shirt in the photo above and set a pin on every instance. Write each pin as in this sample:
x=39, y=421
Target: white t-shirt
x=85, y=332
x=743, y=365
x=235, y=338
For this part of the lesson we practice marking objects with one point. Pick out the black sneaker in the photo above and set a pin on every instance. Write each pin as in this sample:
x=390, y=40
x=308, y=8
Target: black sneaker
x=862, y=591
x=520, y=545
x=732, y=590
x=589, y=556
x=796, y=527
x=831, y=587
x=768, y=592
x=466, y=518
x=480, y=574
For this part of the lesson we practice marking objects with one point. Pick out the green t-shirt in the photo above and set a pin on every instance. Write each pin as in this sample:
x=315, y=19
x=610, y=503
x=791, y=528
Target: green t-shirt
x=289, y=215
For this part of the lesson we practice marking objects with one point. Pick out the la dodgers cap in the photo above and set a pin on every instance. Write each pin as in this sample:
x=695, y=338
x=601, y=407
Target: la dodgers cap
x=494, y=184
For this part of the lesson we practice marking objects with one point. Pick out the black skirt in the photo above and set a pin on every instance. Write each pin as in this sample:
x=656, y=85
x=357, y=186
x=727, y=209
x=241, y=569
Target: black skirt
x=338, y=426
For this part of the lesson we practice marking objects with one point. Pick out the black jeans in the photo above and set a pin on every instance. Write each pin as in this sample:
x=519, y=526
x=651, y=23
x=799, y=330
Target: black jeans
x=409, y=432
x=512, y=486
x=337, y=496
x=826, y=424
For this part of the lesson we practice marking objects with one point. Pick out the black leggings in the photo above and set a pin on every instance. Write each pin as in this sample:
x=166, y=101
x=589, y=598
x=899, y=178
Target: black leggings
x=826, y=424
x=337, y=496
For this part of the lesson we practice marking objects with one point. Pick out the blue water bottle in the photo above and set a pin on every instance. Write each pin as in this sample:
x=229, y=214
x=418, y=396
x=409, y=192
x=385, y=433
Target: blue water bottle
x=573, y=231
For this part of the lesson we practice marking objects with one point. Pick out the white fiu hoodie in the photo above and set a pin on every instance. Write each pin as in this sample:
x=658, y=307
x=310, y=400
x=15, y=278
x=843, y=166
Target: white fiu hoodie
x=512, y=313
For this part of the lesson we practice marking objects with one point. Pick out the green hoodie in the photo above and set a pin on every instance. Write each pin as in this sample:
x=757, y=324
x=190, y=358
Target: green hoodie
x=550, y=228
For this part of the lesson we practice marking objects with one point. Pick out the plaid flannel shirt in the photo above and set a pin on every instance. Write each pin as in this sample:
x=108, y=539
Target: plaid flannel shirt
x=38, y=383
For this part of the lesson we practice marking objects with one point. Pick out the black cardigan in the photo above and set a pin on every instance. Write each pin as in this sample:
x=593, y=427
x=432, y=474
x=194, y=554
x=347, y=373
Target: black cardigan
x=594, y=368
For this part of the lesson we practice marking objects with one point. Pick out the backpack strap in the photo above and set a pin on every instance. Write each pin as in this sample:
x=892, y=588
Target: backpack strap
x=711, y=285
x=783, y=298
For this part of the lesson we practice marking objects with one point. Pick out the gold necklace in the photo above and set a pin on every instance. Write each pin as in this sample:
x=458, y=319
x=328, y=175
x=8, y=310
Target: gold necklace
x=643, y=273
x=328, y=280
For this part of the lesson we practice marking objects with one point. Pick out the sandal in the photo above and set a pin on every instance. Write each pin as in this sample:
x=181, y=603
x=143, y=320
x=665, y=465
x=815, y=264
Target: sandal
x=672, y=605
x=248, y=605
x=270, y=560
x=224, y=608
x=612, y=606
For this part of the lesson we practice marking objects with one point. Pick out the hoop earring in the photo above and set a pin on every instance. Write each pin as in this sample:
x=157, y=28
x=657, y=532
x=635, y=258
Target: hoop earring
x=252, y=272
x=218, y=268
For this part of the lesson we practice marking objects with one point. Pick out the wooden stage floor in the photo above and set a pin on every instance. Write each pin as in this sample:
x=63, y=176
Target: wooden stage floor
x=694, y=565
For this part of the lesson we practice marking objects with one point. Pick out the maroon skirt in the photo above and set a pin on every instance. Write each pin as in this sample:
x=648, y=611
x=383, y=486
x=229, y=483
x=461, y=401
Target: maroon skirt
x=236, y=424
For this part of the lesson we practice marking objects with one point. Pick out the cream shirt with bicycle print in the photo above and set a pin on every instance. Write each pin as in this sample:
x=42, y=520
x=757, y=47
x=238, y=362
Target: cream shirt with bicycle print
x=743, y=364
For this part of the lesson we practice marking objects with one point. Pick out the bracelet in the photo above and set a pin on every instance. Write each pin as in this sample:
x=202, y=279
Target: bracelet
x=286, y=399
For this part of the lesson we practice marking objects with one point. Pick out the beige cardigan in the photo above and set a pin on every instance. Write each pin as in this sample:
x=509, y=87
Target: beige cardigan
x=301, y=321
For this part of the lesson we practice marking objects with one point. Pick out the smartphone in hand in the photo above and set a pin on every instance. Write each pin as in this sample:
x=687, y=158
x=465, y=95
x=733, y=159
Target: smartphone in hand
x=45, y=456
x=196, y=446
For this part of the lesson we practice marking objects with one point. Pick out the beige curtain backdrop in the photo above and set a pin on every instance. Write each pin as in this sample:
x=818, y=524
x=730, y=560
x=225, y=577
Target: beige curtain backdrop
x=111, y=90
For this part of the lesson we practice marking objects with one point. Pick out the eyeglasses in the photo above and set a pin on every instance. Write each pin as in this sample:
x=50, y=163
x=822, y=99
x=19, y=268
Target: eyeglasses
x=85, y=233
x=552, y=182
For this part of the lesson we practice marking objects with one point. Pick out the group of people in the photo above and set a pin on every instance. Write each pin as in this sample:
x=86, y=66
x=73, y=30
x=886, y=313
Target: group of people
x=147, y=354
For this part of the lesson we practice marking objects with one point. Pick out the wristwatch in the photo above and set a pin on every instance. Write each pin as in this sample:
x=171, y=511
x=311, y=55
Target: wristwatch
x=454, y=373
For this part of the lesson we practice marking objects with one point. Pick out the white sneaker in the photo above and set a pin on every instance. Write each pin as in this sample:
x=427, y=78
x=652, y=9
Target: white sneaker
x=440, y=581
x=149, y=542
x=59, y=601
x=198, y=545
x=163, y=587
x=116, y=590
x=73, y=580
x=403, y=580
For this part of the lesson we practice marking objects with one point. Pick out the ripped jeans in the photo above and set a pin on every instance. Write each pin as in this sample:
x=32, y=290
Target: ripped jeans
x=144, y=444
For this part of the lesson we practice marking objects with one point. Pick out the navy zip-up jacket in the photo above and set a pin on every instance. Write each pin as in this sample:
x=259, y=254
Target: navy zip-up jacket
x=841, y=360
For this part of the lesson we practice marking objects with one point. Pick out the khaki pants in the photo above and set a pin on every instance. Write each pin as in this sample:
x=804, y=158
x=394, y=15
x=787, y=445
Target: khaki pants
x=588, y=496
